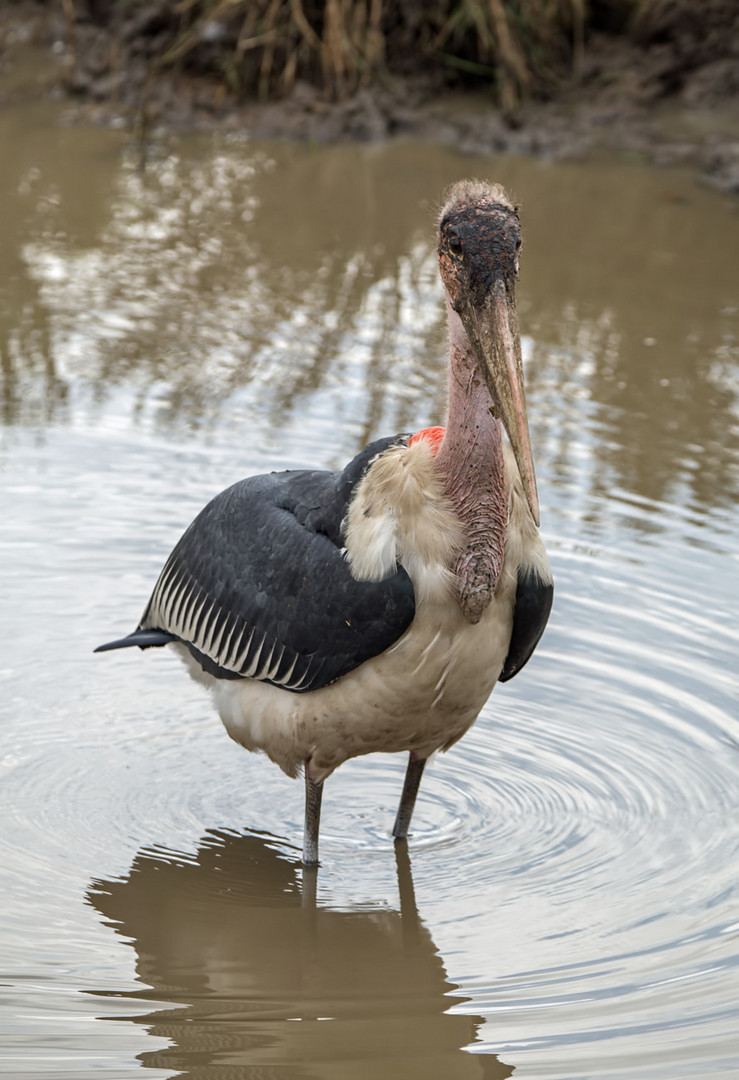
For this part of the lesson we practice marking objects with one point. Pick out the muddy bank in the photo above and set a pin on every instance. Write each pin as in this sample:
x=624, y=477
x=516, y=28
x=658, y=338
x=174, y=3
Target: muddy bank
x=665, y=88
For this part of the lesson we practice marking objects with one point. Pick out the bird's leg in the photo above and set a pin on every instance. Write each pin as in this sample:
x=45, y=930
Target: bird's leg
x=413, y=775
x=313, y=793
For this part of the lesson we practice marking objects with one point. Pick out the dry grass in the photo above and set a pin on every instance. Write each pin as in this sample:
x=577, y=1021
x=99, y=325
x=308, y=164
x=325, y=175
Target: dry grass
x=338, y=44
x=520, y=48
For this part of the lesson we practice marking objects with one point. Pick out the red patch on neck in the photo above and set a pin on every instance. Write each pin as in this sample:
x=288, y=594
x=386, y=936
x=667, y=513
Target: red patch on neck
x=433, y=435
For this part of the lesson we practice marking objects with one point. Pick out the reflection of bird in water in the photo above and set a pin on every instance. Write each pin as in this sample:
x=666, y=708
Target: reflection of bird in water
x=336, y=614
x=261, y=983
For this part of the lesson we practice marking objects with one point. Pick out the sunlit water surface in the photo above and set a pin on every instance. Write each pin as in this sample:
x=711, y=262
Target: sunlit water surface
x=569, y=903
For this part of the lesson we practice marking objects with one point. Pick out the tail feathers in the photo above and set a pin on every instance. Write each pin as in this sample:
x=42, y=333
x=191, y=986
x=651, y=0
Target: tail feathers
x=143, y=638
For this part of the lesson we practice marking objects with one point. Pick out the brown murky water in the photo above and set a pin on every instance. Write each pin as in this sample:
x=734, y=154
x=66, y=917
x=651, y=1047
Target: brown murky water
x=568, y=906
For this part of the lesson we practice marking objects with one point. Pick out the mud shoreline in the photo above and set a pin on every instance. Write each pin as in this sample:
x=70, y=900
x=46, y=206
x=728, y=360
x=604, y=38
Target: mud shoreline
x=647, y=101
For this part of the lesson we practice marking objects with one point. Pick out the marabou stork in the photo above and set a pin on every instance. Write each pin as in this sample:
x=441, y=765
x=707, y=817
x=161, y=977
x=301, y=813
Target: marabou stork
x=334, y=614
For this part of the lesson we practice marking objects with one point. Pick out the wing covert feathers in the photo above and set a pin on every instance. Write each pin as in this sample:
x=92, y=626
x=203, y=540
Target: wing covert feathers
x=533, y=604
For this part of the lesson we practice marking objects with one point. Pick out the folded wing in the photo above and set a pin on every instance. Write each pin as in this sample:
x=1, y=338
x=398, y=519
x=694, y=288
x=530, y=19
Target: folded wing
x=258, y=586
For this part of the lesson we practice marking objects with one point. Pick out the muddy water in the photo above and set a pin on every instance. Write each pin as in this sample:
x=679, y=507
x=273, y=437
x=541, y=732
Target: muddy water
x=568, y=904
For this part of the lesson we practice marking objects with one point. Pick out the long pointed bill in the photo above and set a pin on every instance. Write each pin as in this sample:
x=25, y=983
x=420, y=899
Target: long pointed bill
x=493, y=333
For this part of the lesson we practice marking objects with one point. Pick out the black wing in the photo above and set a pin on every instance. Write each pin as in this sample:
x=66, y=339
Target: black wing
x=258, y=586
x=533, y=604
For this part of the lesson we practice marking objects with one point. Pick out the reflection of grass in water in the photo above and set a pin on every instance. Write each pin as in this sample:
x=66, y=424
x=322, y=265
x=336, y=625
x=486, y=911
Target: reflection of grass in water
x=186, y=301
x=262, y=47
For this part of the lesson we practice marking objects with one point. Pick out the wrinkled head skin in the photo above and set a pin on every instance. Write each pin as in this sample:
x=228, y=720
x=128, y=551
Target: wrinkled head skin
x=479, y=241
x=479, y=245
